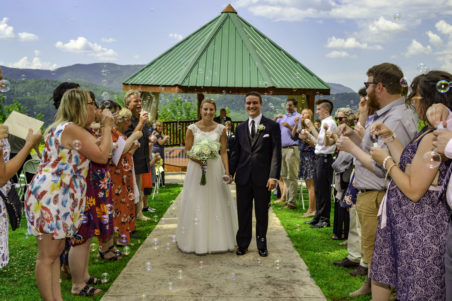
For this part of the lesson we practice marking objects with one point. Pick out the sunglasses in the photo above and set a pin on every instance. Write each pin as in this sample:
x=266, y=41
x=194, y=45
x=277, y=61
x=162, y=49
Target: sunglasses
x=341, y=118
x=367, y=84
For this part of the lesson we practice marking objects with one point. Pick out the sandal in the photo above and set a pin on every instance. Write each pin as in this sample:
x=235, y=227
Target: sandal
x=117, y=254
x=95, y=281
x=88, y=291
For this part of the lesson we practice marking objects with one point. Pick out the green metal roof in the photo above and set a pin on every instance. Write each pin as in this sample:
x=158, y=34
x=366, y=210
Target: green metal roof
x=228, y=53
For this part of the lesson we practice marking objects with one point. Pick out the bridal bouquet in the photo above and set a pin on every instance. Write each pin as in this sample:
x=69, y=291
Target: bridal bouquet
x=202, y=150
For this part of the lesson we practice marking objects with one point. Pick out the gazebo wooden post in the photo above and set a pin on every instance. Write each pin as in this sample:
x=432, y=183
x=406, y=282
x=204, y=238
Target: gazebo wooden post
x=155, y=106
x=200, y=99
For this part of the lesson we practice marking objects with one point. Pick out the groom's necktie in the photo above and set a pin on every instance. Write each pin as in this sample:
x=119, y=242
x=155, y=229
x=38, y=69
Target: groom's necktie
x=253, y=129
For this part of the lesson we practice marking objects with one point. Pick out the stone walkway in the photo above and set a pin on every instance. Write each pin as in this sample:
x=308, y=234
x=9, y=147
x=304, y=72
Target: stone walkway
x=159, y=271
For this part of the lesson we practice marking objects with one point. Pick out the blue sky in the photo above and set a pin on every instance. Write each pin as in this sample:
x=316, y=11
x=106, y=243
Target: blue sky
x=337, y=39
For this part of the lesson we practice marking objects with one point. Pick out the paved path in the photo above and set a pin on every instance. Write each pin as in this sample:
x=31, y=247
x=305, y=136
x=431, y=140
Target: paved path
x=219, y=277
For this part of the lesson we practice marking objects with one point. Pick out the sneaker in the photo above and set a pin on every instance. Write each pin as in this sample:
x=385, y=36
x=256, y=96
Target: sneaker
x=148, y=209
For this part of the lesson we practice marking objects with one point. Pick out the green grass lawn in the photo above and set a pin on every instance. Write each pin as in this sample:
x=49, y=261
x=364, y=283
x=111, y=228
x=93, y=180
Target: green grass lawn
x=17, y=280
x=319, y=251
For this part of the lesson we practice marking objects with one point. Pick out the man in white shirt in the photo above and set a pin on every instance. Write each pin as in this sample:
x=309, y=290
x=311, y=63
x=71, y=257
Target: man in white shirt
x=323, y=174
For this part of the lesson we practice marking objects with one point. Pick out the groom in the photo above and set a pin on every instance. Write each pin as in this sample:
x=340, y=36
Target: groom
x=256, y=163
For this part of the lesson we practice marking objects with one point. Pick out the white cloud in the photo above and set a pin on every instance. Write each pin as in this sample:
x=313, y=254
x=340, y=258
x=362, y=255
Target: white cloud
x=83, y=46
x=6, y=31
x=176, y=36
x=278, y=13
x=434, y=38
x=108, y=40
x=382, y=26
x=416, y=48
x=337, y=54
x=26, y=37
x=348, y=43
x=443, y=27
x=35, y=63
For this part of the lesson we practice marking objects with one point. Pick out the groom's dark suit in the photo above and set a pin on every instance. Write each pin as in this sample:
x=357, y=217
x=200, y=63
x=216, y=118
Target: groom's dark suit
x=254, y=161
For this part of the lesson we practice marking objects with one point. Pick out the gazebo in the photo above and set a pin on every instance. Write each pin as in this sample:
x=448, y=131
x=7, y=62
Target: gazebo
x=227, y=55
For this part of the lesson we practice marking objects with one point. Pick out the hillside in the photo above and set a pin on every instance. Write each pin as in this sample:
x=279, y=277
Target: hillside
x=33, y=88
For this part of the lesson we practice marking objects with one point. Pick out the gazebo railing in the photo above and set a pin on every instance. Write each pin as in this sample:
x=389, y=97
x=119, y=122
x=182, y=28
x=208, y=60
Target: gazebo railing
x=176, y=130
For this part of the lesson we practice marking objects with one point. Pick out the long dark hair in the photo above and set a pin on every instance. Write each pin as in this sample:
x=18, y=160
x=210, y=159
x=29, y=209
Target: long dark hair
x=426, y=86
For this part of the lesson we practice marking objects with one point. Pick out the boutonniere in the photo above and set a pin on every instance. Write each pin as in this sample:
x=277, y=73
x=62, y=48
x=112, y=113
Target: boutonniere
x=261, y=127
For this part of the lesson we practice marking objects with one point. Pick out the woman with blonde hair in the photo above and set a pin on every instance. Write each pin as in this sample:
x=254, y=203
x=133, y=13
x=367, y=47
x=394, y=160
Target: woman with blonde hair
x=56, y=194
x=159, y=145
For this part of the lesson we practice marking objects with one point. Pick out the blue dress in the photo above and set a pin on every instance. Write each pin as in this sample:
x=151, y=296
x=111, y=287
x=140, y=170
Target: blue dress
x=409, y=251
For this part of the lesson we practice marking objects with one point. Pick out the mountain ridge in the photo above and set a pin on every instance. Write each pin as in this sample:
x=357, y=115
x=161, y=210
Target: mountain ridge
x=109, y=75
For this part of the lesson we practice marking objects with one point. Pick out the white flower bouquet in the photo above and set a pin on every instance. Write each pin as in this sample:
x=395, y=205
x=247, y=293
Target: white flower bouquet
x=202, y=150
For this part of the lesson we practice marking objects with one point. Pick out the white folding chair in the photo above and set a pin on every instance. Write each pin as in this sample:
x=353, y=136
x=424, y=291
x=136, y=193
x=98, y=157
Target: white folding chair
x=302, y=184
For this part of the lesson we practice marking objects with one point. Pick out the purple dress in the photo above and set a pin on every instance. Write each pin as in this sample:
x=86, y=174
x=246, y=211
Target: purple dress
x=409, y=251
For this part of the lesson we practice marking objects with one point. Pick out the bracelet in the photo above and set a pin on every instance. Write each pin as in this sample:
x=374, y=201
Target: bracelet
x=389, y=170
x=385, y=160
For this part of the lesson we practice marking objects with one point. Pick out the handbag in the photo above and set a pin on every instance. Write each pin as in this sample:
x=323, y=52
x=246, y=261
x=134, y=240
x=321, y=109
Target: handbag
x=14, y=207
x=146, y=180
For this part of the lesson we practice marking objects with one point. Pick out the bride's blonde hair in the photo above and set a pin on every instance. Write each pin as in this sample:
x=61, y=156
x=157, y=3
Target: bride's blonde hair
x=208, y=100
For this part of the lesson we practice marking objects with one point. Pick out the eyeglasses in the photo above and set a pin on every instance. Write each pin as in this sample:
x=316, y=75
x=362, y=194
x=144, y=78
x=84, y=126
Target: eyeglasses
x=367, y=84
x=93, y=103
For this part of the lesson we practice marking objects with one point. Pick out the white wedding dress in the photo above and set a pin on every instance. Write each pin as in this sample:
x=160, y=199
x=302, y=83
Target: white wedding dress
x=208, y=213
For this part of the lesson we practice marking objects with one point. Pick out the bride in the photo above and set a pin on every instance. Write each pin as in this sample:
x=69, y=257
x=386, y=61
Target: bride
x=208, y=214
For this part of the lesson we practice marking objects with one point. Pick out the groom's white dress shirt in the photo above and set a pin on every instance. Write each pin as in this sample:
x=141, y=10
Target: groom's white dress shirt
x=257, y=121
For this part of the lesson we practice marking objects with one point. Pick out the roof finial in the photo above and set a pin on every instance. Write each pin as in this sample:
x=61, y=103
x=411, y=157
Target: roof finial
x=229, y=9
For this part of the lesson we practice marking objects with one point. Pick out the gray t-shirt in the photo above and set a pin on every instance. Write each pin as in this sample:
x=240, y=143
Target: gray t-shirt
x=402, y=121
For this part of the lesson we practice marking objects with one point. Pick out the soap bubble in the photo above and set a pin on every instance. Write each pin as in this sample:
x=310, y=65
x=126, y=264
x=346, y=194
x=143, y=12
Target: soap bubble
x=422, y=68
x=201, y=264
x=170, y=285
x=5, y=85
x=148, y=266
x=105, y=95
x=278, y=264
x=397, y=15
x=76, y=144
x=105, y=277
x=443, y=86
x=404, y=82
x=126, y=250
x=234, y=276
x=93, y=247
x=123, y=239
x=179, y=274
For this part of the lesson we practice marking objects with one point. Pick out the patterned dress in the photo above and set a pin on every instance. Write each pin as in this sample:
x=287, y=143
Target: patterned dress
x=97, y=219
x=409, y=251
x=307, y=158
x=56, y=194
x=4, y=226
x=123, y=194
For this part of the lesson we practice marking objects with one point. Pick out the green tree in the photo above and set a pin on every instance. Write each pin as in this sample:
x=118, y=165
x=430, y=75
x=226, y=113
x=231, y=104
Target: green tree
x=177, y=109
x=5, y=110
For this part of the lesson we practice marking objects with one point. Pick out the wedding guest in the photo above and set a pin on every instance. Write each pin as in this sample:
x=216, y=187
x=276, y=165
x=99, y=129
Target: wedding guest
x=97, y=218
x=56, y=194
x=159, y=145
x=222, y=118
x=139, y=122
x=230, y=137
x=412, y=229
x=385, y=96
x=323, y=171
x=307, y=157
x=290, y=153
x=343, y=167
x=8, y=168
x=122, y=188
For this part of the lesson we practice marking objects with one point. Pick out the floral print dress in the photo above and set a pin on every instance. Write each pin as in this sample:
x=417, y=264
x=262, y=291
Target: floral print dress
x=56, y=194
x=4, y=226
x=123, y=194
x=97, y=218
